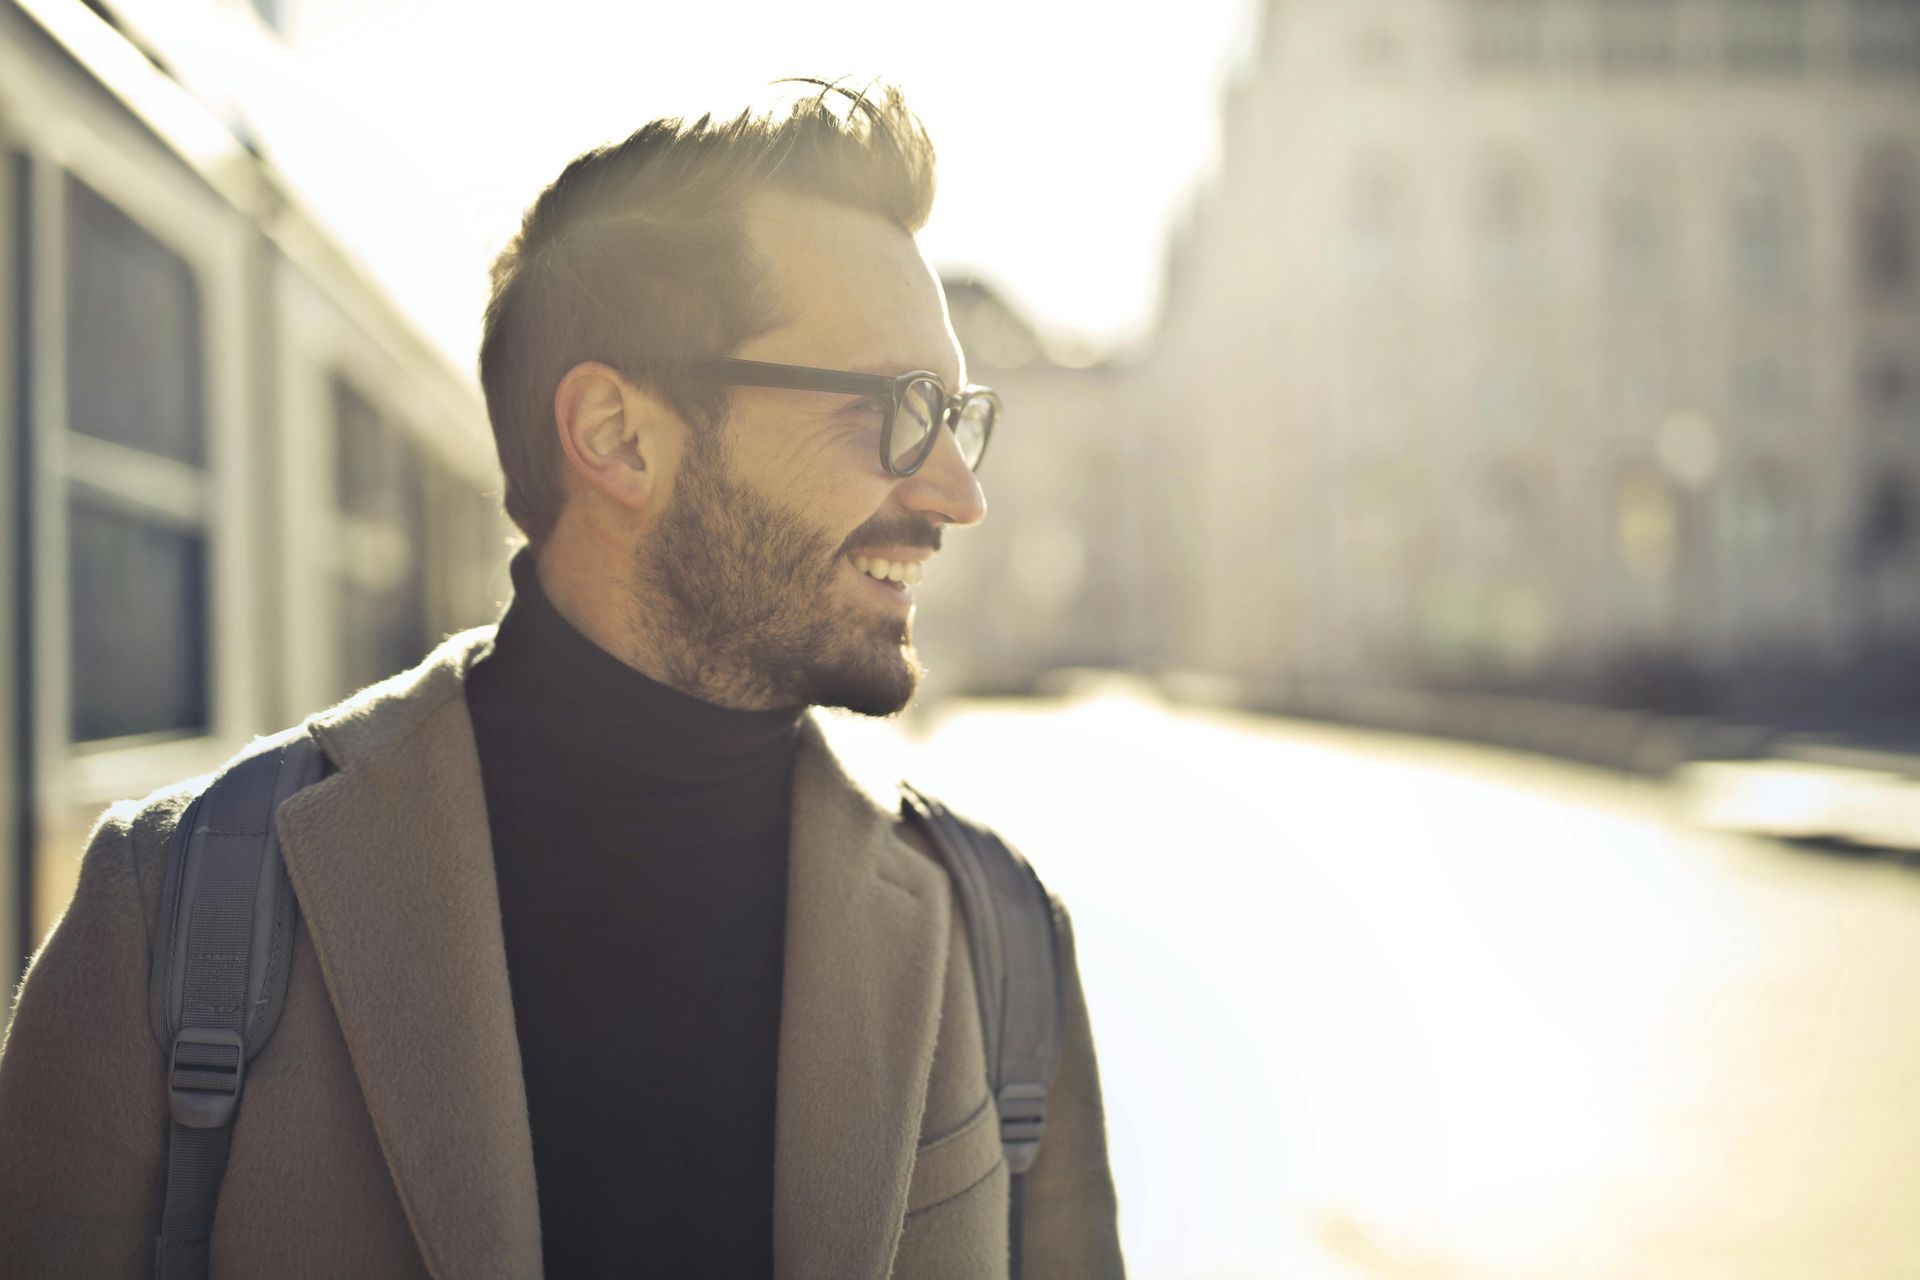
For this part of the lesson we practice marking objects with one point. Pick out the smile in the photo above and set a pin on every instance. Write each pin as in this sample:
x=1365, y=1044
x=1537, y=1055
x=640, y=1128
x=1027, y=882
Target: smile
x=895, y=571
x=879, y=579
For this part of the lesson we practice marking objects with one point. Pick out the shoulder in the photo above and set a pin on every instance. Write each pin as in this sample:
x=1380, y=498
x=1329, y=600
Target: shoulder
x=131, y=839
x=138, y=834
x=358, y=725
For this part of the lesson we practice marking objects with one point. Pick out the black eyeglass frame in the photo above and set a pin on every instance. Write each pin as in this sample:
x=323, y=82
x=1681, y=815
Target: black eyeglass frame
x=800, y=377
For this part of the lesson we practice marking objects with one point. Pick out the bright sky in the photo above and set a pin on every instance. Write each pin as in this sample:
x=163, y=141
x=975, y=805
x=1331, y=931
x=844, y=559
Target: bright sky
x=1068, y=136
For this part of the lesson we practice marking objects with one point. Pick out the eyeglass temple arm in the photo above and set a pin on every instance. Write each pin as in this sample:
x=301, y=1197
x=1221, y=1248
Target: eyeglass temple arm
x=791, y=377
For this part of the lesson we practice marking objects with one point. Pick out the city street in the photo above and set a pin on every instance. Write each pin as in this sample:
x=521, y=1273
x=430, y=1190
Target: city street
x=1379, y=1007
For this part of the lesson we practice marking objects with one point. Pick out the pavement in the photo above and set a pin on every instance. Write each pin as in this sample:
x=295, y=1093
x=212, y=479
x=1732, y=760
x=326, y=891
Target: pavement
x=1378, y=1006
x=1847, y=781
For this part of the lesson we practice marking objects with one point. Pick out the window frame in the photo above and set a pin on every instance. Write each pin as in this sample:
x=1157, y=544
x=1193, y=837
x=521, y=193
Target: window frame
x=321, y=339
x=215, y=501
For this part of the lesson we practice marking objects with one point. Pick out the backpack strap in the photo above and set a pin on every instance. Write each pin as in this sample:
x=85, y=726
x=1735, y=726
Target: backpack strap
x=1016, y=971
x=221, y=951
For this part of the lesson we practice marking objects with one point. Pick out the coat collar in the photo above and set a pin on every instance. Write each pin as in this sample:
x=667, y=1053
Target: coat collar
x=392, y=861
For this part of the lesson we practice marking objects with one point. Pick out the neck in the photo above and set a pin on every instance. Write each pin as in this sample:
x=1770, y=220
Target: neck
x=596, y=591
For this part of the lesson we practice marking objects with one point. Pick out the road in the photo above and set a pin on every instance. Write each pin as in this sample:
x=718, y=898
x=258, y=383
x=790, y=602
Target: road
x=1371, y=1006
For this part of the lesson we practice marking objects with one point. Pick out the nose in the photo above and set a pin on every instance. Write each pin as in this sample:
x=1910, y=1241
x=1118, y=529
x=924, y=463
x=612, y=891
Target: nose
x=945, y=488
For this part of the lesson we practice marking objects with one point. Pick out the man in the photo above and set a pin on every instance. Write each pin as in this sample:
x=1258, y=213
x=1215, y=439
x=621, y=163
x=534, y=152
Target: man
x=605, y=966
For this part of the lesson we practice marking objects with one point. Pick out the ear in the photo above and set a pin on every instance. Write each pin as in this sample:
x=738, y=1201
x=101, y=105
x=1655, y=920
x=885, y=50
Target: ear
x=618, y=438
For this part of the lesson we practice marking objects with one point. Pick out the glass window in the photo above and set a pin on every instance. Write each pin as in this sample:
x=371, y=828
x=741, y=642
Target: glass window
x=1506, y=34
x=137, y=582
x=1764, y=228
x=1766, y=35
x=381, y=632
x=1638, y=226
x=1885, y=532
x=138, y=595
x=380, y=492
x=1887, y=216
x=1886, y=35
x=364, y=482
x=1764, y=388
x=1888, y=397
x=1504, y=523
x=1635, y=35
x=1509, y=223
x=1758, y=512
x=134, y=334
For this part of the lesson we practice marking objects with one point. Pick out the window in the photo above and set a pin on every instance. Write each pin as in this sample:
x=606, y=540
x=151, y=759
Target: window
x=1765, y=389
x=1765, y=35
x=1634, y=36
x=139, y=605
x=1758, y=513
x=1639, y=375
x=1509, y=224
x=1885, y=533
x=1888, y=397
x=134, y=334
x=1763, y=230
x=1506, y=34
x=1887, y=224
x=1504, y=522
x=137, y=448
x=380, y=496
x=1638, y=227
x=1886, y=35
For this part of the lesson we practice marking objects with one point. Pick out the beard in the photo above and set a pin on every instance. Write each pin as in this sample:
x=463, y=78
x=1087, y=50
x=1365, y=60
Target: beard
x=743, y=602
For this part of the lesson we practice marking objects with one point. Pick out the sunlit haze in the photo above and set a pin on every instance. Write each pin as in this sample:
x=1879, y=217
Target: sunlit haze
x=1066, y=139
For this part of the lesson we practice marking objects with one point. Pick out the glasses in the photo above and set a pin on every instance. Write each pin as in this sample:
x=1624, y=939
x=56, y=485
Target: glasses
x=915, y=405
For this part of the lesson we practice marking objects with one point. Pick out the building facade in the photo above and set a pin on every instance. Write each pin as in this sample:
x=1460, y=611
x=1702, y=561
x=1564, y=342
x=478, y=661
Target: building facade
x=241, y=481
x=1051, y=578
x=1568, y=347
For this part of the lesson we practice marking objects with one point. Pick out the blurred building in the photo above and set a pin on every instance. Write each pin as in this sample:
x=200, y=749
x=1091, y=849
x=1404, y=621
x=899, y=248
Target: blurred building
x=1560, y=346
x=1050, y=578
x=241, y=482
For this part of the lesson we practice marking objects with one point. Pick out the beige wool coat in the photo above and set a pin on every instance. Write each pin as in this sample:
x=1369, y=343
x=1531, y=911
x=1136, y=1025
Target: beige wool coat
x=384, y=1131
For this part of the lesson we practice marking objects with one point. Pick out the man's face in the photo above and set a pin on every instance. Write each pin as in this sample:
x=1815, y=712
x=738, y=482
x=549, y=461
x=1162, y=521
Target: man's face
x=752, y=557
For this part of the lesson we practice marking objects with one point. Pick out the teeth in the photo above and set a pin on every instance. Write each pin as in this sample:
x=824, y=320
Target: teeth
x=906, y=571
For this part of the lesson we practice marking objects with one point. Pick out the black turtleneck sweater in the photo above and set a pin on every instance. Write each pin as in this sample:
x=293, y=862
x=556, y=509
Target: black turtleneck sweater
x=640, y=841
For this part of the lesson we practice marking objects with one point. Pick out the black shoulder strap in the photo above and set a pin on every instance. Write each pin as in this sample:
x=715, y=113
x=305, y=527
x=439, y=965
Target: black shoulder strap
x=1016, y=970
x=221, y=949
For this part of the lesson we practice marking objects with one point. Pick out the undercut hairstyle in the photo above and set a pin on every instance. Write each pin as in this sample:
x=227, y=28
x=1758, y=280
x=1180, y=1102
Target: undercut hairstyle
x=637, y=257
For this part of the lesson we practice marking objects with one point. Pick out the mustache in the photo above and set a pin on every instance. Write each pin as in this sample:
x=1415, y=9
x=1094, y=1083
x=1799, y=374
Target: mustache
x=916, y=533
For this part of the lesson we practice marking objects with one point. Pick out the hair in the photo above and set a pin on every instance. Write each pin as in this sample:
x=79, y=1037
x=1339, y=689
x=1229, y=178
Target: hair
x=636, y=256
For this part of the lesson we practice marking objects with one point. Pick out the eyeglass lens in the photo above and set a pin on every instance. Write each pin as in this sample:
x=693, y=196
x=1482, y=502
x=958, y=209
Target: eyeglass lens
x=973, y=427
x=922, y=409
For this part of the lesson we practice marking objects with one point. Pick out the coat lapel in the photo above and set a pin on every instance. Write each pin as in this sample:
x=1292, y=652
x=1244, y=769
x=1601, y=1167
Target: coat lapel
x=392, y=861
x=866, y=954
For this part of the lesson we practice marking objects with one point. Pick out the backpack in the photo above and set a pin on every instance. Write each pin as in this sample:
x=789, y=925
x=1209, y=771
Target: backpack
x=223, y=944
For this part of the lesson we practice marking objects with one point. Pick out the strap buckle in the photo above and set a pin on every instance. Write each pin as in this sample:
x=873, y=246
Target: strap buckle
x=204, y=1074
x=1023, y=1114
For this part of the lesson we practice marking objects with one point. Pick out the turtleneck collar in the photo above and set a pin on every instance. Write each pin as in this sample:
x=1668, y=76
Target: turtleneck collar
x=654, y=728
